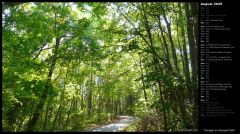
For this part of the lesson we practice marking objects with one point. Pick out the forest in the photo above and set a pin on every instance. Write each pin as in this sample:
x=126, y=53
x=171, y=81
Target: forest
x=70, y=66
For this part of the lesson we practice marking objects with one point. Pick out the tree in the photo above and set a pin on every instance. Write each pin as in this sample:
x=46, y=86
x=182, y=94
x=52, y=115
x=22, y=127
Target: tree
x=67, y=66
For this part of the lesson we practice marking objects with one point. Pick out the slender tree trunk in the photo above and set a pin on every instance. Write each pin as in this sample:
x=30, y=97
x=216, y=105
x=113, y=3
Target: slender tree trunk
x=90, y=97
x=192, y=44
x=177, y=18
x=164, y=45
x=175, y=61
x=194, y=14
x=69, y=113
x=120, y=106
x=108, y=105
x=193, y=56
x=59, y=108
x=143, y=83
x=46, y=116
x=99, y=106
x=185, y=55
x=163, y=97
x=82, y=101
x=155, y=65
x=182, y=107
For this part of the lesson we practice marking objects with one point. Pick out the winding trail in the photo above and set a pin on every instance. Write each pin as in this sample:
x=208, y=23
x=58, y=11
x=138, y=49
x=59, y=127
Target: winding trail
x=116, y=126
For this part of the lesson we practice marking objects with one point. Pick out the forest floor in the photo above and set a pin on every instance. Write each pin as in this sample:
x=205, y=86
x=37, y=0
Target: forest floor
x=116, y=126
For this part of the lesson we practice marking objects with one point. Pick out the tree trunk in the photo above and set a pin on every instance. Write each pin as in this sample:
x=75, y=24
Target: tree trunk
x=182, y=107
x=43, y=98
x=99, y=105
x=175, y=61
x=193, y=56
x=185, y=55
x=155, y=64
x=46, y=116
x=69, y=113
x=164, y=45
x=143, y=83
x=90, y=97
x=60, y=106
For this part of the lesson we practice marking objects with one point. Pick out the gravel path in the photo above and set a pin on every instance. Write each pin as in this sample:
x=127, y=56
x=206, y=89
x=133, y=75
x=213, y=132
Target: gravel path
x=115, y=127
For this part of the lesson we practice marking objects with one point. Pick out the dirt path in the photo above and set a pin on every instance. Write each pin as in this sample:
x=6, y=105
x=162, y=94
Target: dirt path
x=114, y=127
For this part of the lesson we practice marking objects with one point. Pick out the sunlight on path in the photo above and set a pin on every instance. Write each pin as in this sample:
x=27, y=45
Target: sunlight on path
x=114, y=127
